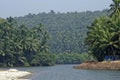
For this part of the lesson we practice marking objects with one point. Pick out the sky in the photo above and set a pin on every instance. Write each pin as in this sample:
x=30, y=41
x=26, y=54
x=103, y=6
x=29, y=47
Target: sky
x=17, y=8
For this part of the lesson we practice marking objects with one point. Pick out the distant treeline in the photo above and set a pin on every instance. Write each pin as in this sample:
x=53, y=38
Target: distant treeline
x=67, y=30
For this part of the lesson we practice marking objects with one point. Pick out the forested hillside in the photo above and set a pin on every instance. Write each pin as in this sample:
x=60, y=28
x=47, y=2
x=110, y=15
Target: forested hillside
x=67, y=30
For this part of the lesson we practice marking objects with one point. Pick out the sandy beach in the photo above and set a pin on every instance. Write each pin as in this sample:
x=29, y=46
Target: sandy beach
x=13, y=74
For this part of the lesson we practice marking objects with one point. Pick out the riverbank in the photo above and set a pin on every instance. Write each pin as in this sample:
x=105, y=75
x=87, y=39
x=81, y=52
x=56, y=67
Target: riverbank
x=105, y=65
x=13, y=74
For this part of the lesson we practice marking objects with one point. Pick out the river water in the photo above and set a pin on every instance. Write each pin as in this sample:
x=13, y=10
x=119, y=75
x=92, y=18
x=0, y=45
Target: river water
x=67, y=72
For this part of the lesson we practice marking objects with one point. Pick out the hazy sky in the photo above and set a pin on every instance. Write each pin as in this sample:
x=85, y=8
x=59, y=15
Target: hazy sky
x=23, y=7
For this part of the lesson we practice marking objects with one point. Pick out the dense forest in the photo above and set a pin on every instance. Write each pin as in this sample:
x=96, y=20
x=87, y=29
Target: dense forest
x=67, y=30
x=47, y=38
x=26, y=42
x=23, y=46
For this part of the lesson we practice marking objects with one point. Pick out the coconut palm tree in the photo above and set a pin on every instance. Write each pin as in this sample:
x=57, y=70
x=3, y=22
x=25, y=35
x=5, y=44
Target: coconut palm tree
x=115, y=8
x=115, y=16
x=100, y=36
x=115, y=11
x=103, y=36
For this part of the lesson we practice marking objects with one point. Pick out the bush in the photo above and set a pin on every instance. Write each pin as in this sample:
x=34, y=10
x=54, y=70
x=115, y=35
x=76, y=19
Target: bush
x=72, y=58
x=43, y=60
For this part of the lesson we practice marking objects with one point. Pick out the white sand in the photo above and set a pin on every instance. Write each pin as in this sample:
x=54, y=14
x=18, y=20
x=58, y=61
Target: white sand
x=13, y=74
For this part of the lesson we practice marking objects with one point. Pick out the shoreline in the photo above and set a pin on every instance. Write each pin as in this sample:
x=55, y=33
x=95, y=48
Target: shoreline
x=105, y=65
x=14, y=74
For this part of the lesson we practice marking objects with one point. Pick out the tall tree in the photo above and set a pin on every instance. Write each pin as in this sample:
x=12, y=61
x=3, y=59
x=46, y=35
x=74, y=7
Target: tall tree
x=20, y=45
x=103, y=36
x=115, y=11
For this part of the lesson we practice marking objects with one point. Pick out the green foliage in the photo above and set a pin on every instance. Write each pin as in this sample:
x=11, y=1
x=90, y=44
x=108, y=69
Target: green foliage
x=72, y=58
x=103, y=36
x=67, y=30
x=20, y=45
x=87, y=57
x=2, y=20
x=99, y=37
x=26, y=45
x=43, y=59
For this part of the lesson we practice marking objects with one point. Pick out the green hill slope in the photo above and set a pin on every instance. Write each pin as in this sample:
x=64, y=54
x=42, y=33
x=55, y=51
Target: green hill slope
x=67, y=30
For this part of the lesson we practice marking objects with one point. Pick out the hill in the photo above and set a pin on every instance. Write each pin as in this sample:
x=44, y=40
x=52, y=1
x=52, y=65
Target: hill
x=67, y=30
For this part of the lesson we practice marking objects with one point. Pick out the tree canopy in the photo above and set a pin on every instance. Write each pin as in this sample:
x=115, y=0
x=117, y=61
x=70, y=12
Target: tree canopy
x=67, y=30
x=23, y=46
x=103, y=35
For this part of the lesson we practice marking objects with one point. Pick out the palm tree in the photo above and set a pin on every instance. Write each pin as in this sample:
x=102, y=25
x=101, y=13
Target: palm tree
x=103, y=36
x=42, y=36
x=100, y=37
x=115, y=8
x=115, y=16
x=115, y=11
x=19, y=45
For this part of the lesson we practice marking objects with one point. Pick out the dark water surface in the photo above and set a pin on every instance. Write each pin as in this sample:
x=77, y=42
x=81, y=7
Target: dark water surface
x=67, y=72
